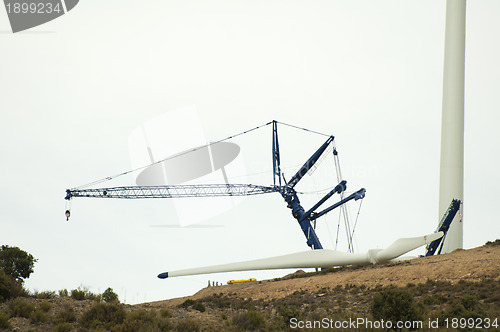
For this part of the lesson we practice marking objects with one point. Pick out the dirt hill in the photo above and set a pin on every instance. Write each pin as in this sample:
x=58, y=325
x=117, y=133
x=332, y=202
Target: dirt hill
x=463, y=284
x=466, y=265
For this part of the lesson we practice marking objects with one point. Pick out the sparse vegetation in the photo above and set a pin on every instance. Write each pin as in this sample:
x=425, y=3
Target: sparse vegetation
x=20, y=307
x=494, y=243
x=10, y=287
x=78, y=294
x=165, y=313
x=249, y=320
x=45, y=306
x=395, y=304
x=61, y=327
x=4, y=320
x=196, y=305
x=82, y=310
x=103, y=315
x=188, y=325
x=67, y=315
x=45, y=295
x=39, y=316
x=82, y=293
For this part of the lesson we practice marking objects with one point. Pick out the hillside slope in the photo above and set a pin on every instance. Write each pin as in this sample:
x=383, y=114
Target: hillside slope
x=463, y=284
x=467, y=265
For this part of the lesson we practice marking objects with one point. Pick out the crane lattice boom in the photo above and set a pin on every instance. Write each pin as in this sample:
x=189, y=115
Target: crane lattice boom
x=173, y=191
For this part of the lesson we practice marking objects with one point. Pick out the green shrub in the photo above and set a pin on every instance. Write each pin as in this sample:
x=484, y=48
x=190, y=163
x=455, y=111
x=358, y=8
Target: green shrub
x=63, y=293
x=322, y=290
x=199, y=306
x=466, y=307
x=143, y=320
x=4, y=321
x=218, y=301
x=103, y=315
x=92, y=296
x=249, y=320
x=67, y=315
x=39, y=316
x=494, y=243
x=165, y=313
x=61, y=327
x=109, y=295
x=164, y=324
x=9, y=287
x=187, y=325
x=435, y=299
x=469, y=302
x=78, y=294
x=193, y=304
x=20, y=308
x=45, y=306
x=45, y=295
x=186, y=304
x=287, y=312
x=394, y=304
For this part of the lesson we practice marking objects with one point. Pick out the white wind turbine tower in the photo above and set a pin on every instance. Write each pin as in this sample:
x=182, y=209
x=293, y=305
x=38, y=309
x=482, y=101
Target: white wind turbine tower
x=451, y=181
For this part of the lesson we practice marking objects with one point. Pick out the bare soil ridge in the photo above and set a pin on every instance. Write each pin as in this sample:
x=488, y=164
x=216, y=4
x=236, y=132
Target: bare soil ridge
x=468, y=265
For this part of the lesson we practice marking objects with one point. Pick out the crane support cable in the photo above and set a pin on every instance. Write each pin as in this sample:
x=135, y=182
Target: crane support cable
x=108, y=178
x=304, y=129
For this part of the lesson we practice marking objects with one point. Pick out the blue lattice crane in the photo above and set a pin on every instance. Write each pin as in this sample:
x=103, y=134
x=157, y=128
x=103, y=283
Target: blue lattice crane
x=306, y=219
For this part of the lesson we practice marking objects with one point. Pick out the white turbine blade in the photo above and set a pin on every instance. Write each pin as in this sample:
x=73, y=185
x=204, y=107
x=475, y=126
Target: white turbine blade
x=313, y=258
x=402, y=246
x=305, y=259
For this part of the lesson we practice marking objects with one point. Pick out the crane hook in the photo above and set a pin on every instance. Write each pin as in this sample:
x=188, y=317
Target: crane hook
x=68, y=214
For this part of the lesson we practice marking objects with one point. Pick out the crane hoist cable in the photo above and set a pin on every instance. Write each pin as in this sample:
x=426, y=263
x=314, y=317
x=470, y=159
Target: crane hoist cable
x=356, y=221
x=343, y=208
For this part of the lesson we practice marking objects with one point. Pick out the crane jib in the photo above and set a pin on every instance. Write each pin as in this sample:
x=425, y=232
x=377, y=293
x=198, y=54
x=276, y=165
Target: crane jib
x=174, y=191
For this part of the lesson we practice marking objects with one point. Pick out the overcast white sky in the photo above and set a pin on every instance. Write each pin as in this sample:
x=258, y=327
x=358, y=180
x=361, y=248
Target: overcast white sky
x=369, y=72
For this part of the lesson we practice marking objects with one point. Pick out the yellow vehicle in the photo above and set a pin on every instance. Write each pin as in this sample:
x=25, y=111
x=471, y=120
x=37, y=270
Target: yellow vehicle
x=229, y=282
